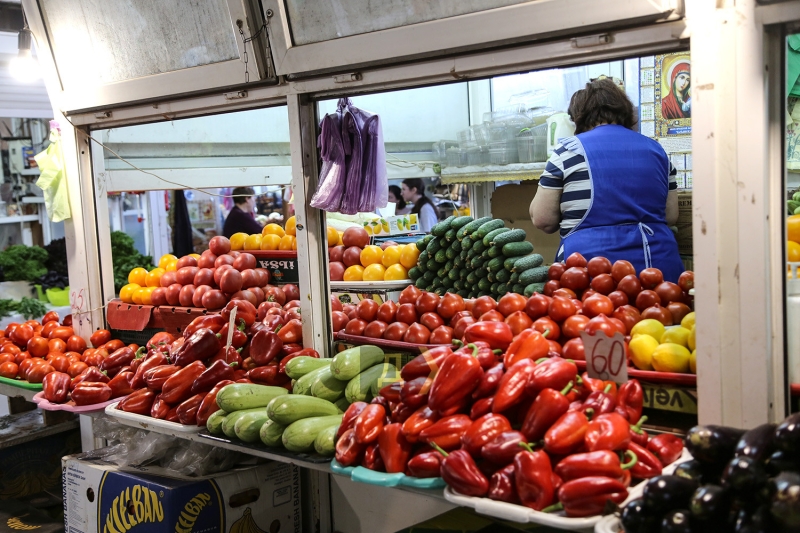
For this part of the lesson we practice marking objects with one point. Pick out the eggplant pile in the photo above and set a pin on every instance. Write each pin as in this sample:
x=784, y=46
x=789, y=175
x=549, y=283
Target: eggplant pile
x=737, y=482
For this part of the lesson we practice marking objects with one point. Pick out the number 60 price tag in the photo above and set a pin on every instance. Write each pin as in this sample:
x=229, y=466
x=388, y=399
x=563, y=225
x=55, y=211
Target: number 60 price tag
x=606, y=358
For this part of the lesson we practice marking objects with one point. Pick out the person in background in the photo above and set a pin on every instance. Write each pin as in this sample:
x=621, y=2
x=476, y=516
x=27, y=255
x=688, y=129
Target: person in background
x=242, y=215
x=413, y=192
x=396, y=197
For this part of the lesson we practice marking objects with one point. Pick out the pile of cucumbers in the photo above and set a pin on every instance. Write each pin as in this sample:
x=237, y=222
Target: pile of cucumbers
x=478, y=258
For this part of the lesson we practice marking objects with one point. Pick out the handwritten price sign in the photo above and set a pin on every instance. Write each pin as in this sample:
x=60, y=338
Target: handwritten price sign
x=605, y=357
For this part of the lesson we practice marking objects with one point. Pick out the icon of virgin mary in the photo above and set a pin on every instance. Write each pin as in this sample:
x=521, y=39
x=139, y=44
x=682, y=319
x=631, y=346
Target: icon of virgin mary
x=678, y=103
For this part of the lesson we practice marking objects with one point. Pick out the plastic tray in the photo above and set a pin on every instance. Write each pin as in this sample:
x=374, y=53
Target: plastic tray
x=608, y=524
x=521, y=514
x=21, y=384
x=146, y=422
x=651, y=376
x=371, y=477
x=70, y=406
x=359, y=340
x=360, y=286
x=308, y=457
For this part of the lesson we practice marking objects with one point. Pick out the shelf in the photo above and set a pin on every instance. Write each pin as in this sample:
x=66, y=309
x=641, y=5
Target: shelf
x=19, y=218
x=492, y=173
x=32, y=200
x=12, y=391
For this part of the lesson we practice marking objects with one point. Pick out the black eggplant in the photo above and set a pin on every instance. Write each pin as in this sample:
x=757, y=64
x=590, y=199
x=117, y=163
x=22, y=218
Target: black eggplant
x=636, y=519
x=690, y=470
x=781, y=461
x=678, y=521
x=787, y=434
x=713, y=444
x=759, y=521
x=745, y=477
x=667, y=493
x=784, y=490
x=757, y=443
x=711, y=509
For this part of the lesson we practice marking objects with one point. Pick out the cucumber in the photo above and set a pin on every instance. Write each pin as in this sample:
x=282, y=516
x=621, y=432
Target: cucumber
x=299, y=436
x=513, y=249
x=325, y=444
x=214, y=423
x=472, y=278
x=487, y=241
x=441, y=228
x=293, y=407
x=238, y=396
x=484, y=230
x=447, y=283
x=433, y=246
x=453, y=274
x=441, y=256
x=478, y=247
x=432, y=265
x=348, y=364
x=495, y=264
x=508, y=264
x=414, y=273
x=484, y=284
x=493, y=288
x=532, y=288
x=514, y=235
x=448, y=266
x=503, y=276
x=441, y=273
x=422, y=260
x=529, y=261
x=423, y=243
x=476, y=263
x=514, y=277
x=495, y=251
x=300, y=366
x=229, y=424
x=534, y=275
x=519, y=288
x=429, y=275
x=464, y=294
x=342, y=404
x=303, y=385
x=474, y=225
x=328, y=387
x=422, y=283
x=358, y=389
x=456, y=246
x=450, y=236
x=440, y=291
x=458, y=285
x=271, y=433
x=247, y=428
x=466, y=245
x=460, y=222
x=451, y=253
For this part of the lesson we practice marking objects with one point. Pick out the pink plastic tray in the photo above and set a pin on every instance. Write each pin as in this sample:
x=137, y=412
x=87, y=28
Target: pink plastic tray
x=70, y=406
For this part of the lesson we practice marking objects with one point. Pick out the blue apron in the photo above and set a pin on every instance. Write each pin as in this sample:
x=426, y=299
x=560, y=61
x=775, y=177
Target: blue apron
x=629, y=176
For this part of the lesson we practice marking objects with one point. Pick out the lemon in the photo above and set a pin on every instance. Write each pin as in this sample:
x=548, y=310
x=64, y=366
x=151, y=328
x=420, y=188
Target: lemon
x=165, y=260
x=138, y=276
x=126, y=293
x=273, y=229
x=688, y=321
x=691, y=343
x=237, y=240
x=374, y=272
x=153, y=278
x=354, y=273
x=678, y=335
x=371, y=255
x=395, y=272
x=670, y=357
x=172, y=266
x=252, y=242
x=649, y=326
x=693, y=362
x=391, y=256
x=291, y=226
x=270, y=242
x=409, y=255
x=642, y=348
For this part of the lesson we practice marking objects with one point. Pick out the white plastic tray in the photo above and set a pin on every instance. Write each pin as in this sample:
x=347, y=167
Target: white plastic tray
x=522, y=514
x=367, y=285
x=70, y=406
x=148, y=422
x=608, y=524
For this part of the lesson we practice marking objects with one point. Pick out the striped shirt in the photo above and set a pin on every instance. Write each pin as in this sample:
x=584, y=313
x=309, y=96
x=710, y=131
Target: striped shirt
x=569, y=173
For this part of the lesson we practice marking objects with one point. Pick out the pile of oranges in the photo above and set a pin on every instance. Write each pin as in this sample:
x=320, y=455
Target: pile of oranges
x=142, y=283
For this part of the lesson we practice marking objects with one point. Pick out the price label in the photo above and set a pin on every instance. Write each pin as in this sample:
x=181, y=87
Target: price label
x=605, y=357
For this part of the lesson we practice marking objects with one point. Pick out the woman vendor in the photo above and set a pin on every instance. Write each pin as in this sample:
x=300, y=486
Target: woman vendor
x=610, y=190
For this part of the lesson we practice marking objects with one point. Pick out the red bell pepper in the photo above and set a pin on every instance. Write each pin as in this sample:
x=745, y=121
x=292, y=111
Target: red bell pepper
x=272, y=322
x=425, y=364
x=647, y=464
x=172, y=414
x=307, y=352
x=529, y=344
x=349, y=418
x=159, y=341
x=88, y=393
x=481, y=407
x=567, y=434
x=178, y=387
x=457, y=378
x=425, y=464
x=55, y=386
x=548, y=407
x=265, y=346
x=244, y=311
x=446, y=432
x=291, y=332
x=138, y=402
x=462, y=474
x=114, y=362
x=533, y=478
x=151, y=361
x=668, y=448
x=90, y=375
x=263, y=307
x=501, y=485
x=604, y=463
x=392, y=391
x=204, y=344
x=187, y=410
x=422, y=419
x=213, y=322
x=489, y=382
x=218, y=371
x=630, y=400
x=495, y=334
x=401, y=412
x=394, y=448
x=121, y=385
x=503, y=448
x=289, y=349
x=382, y=401
x=372, y=458
x=414, y=393
x=511, y=388
x=600, y=402
x=160, y=408
x=608, y=431
x=268, y=375
x=485, y=355
x=588, y=496
x=369, y=423
x=483, y=431
x=638, y=435
x=239, y=337
x=209, y=404
x=348, y=451
x=553, y=373
x=156, y=376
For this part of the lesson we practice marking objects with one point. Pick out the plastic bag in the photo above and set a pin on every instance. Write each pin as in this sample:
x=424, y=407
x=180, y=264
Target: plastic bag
x=52, y=179
x=330, y=190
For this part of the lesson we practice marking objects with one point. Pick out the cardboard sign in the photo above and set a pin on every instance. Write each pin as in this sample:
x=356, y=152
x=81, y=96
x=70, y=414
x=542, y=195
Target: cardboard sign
x=281, y=270
x=605, y=357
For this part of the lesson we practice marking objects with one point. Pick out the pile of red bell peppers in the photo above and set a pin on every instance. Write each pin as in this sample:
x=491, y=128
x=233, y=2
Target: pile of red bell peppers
x=497, y=418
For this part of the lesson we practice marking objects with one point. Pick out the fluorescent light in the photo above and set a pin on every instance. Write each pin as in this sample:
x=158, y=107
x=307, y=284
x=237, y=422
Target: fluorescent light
x=24, y=67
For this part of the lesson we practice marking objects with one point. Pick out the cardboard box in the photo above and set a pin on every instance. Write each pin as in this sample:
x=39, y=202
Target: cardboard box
x=393, y=225
x=511, y=203
x=102, y=498
x=684, y=224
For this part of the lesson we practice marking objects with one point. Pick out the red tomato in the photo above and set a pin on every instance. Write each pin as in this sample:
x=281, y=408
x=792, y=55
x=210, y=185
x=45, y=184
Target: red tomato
x=375, y=329
x=551, y=286
x=185, y=275
x=355, y=327
x=340, y=320
x=651, y=278
x=204, y=276
x=4, y=357
x=417, y=334
x=76, y=344
x=427, y=303
x=659, y=313
x=214, y=299
x=555, y=271
x=76, y=369
x=291, y=291
x=336, y=270
x=336, y=254
x=630, y=285
x=547, y=325
x=597, y=304
x=441, y=335
x=576, y=260
x=351, y=256
x=244, y=262
x=9, y=369
x=449, y=305
x=168, y=278
x=484, y=304
x=336, y=304
x=188, y=261
x=618, y=298
x=431, y=320
x=601, y=323
x=100, y=337
x=492, y=316
x=159, y=296
x=647, y=298
x=598, y=265
x=537, y=305
x=575, y=278
x=226, y=259
x=355, y=236
x=458, y=316
x=37, y=372
x=406, y=313
x=587, y=293
x=38, y=346
x=409, y=295
x=387, y=311
x=351, y=311
x=669, y=292
x=56, y=345
x=23, y=333
x=197, y=297
x=173, y=294
x=463, y=324
x=678, y=310
x=560, y=309
x=230, y=281
x=603, y=283
x=518, y=321
x=46, y=330
x=622, y=268
x=185, y=295
x=511, y=303
x=10, y=348
x=555, y=347
x=275, y=294
x=207, y=260
x=573, y=349
x=60, y=363
x=49, y=317
x=573, y=326
x=628, y=315
x=686, y=281
x=219, y=271
x=395, y=331
x=565, y=293
x=368, y=310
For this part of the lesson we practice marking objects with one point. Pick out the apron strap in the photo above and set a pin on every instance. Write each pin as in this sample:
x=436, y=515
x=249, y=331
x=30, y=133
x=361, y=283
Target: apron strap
x=645, y=230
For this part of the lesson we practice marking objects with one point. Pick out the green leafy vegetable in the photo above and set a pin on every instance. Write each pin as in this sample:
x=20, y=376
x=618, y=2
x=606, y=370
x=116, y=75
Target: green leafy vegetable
x=29, y=308
x=125, y=258
x=23, y=263
x=57, y=256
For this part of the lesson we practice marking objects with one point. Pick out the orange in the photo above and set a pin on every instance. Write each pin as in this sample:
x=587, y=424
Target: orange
x=165, y=260
x=270, y=242
x=291, y=226
x=153, y=278
x=253, y=242
x=287, y=243
x=294, y=245
x=333, y=237
x=793, y=228
x=371, y=255
x=138, y=296
x=354, y=273
x=373, y=272
x=126, y=293
x=172, y=266
x=409, y=255
x=273, y=229
x=391, y=256
x=237, y=240
x=147, y=295
x=138, y=276
x=793, y=251
x=396, y=272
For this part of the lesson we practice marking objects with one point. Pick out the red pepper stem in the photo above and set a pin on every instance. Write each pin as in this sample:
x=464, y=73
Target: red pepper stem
x=607, y=389
x=567, y=389
x=633, y=459
x=475, y=349
x=589, y=413
x=637, y=428
x=539, y=361
x=497, y=351
x=439, y=449
x=278, y=329
x=579, y=381
x=140, y=352
x=241, y=326
x=553, y=508
x=525, y=445
x=546, y=333
x=457, y=343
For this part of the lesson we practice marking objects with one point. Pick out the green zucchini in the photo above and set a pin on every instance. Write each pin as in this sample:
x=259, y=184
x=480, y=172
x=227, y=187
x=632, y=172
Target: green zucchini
x=300, y=366
x=348, y=364
x=271, y=434
x=484, y=230
x=248, y=426
x=441, y=228
x=293, y=407
x=214, y=422
x=328, y=387
x=229, y=424
x=513, y=249
x=239, y=396
x=487, y=241
x=299, y=436
x=325, y=443
x=514, y=235
x=303, y=385
x=529, y=261
x=358, y=389
x=534, y=275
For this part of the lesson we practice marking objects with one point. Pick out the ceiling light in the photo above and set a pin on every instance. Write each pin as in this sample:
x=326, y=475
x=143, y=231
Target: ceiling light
x=24, y=67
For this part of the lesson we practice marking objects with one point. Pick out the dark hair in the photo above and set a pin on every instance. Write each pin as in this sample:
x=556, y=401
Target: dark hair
x=419, y=185
x=395, y=190
x=241, y=194
x=601, y=102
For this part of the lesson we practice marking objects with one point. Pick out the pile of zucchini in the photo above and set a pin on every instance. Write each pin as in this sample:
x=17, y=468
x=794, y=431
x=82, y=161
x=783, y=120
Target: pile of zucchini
x=478, y=258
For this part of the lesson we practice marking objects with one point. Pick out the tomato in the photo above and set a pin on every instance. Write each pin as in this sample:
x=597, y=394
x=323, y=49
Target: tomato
x=11, y=348
x=647, y=298
x=368, y=310
x=537, y=305
x=458, y=316
x=60, y=363
x=659, y=313
x=427, y=303
x=213, y=299
x=587, y=293
x=598, y=304
x=355, y=236
x=204, y=276
x=219, y=271
x=262, y=276
x=417, y=334
x=336, y=304
x=197, y=297
x=56, y=345
x=355, y=327
x=561, y=308
x=603, y=324
x=336, y=271
x=158, y=296
x=185, y=275
x=37, y=372
x=409, y=295
x=173, y=294
x=511, y=303
x=441, y=335
x=406, y=313
x=76, y=344
x=618, y=298
x=598, y=265
x=396, y=331
x=352, y=256
x=76, y=369
x=628, y=315
x=651, y=278
x=565, y=293
x=575, y=278
x=551, y=286
x=573, y=326
x=555, y=348
x=291, y=291
x=38, y=346
x=484, y=304
x=491, y=316
x=226, y=259
x=350, y=310
x=547, y=327
x=576, y=260
x=95, y=358
x=245, y=262
x=449, y=305
x=4, y=357
x=230, y=281
x=555, y=271
x=9, y=369
x=622, y=268
x=187, y=261
x=678, y=310
x=49, y=317
x=47, y=329
x=275, y=294
x=340, y=320
x=186, y=295
x=22, y=334
x=21, y=356
x=686, y=281
x=336, y=253
x=375, y=329
x=387, y=311
x=431, y=320
x=573, y=349
x=603, y=283
x=630, y=285
x=469, y=304
x=518, y=321
x=207, y=260
x=294, y=312
x=461, y=327
x=669, y=292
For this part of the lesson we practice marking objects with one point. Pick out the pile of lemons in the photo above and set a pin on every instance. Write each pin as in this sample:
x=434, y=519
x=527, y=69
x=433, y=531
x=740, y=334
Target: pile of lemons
x=654, y=347
x=272, y=237
x=142, y=283
x=391, y=264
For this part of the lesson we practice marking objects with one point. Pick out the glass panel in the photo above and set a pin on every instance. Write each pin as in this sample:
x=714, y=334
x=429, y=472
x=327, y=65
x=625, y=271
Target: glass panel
x=323, y=20
x=97, y=42
x=793, y=221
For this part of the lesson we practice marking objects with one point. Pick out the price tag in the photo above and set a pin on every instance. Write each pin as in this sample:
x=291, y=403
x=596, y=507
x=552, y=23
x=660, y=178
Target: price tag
x=605, y=357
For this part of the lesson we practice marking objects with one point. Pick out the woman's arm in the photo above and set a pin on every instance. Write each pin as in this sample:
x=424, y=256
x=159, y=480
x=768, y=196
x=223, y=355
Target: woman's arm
x=545, y=209
x=427, y=218
x=672, y=208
